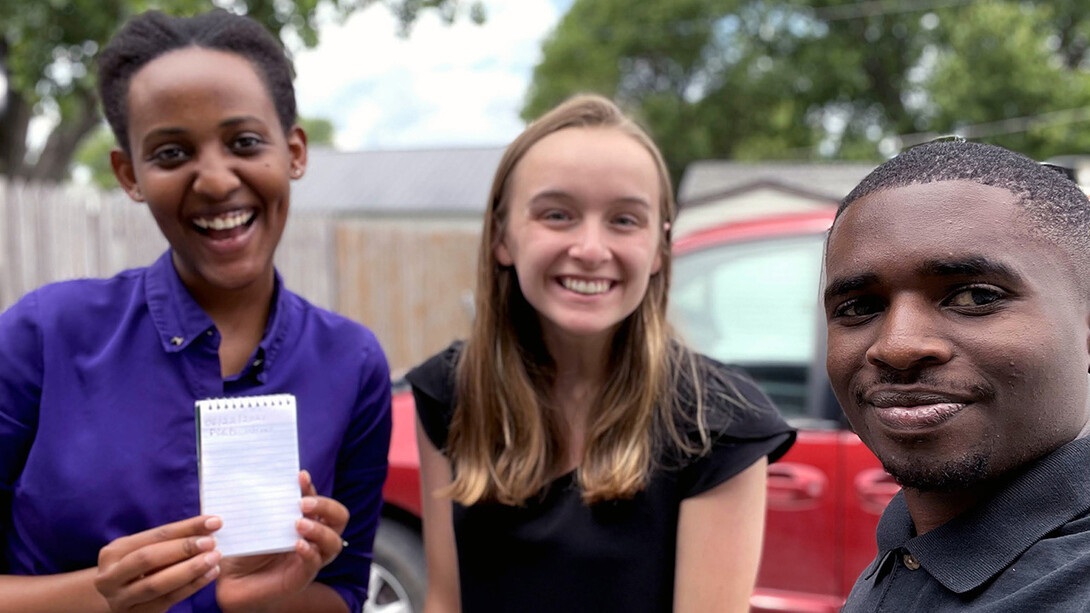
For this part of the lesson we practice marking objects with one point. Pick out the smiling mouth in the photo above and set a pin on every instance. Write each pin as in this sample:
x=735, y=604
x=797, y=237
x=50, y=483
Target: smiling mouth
x=586, y=287
x=906, y=411
x=225, y=225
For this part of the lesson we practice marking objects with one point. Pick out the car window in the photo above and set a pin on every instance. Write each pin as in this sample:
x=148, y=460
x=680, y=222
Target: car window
x=754, y=304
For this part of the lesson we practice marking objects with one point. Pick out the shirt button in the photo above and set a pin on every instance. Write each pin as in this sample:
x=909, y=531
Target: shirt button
x=911, y=563
x=177, y=341
x=210, y=333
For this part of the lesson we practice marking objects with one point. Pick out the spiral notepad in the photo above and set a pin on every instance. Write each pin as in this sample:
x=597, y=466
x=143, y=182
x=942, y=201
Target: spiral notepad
x=249, y=471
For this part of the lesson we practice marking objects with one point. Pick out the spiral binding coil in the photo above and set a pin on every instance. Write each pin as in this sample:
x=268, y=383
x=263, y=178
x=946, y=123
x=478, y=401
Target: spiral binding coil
x=246, y=402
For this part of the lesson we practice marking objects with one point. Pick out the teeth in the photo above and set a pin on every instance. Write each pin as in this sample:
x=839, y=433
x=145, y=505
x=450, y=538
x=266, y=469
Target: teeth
x=226, y=221
x=580, y=286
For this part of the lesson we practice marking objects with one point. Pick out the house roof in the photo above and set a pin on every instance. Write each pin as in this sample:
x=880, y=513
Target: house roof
x=709, y=180
x=455, y=180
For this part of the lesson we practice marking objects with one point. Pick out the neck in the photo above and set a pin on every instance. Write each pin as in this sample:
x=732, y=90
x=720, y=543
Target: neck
x=929, y=510
x=581, y=371
x=580, y=361
x=231, y=308
x=240, y=315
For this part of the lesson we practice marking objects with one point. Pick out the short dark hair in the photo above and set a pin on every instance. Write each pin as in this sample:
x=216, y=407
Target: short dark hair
x=152, y=34
x=1058, y=208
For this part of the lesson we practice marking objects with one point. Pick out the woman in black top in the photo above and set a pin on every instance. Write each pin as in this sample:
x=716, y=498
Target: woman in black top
x=574, y=455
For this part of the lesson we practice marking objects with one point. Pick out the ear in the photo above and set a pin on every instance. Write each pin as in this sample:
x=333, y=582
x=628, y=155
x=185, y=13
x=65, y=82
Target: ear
x=656, y=266
x=1088, y=343
x=123, y=169
x=297, y=150
x=503, y=255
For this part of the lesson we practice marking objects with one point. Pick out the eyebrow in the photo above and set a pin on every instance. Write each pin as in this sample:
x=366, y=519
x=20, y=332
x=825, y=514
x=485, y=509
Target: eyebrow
x=241, y=119
x=563, y=195
x=966, y=267
x=845, y=285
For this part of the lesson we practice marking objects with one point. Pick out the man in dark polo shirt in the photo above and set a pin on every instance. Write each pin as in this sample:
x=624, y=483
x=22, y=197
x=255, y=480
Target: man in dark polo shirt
x=958, y=302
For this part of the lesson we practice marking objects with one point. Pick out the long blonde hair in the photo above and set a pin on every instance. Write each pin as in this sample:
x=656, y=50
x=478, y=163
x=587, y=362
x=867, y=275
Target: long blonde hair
x=506, y=443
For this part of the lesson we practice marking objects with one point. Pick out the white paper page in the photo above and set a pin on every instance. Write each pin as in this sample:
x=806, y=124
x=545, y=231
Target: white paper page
x=249, y=472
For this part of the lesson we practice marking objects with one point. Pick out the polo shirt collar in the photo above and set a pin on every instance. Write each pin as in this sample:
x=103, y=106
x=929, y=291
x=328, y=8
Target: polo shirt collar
x=180, y=320
x=975, y=546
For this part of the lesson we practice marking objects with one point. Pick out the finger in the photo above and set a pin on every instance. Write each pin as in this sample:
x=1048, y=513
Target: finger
x=113, y=574
x=200, y=525
x=154, y=558
x=311, y=553
x=325, y=510
x=324, y=538
x=186, y=590
x=173, y=583
x=306, y=484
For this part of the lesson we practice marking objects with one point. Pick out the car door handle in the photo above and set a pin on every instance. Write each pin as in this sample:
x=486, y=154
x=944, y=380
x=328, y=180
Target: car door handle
x=875, y=488
x=794, y=486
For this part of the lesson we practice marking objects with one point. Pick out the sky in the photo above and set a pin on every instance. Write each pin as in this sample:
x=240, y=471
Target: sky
x=443, y=86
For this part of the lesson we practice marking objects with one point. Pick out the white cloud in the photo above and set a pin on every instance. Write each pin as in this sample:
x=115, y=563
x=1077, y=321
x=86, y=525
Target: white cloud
x=453, y=85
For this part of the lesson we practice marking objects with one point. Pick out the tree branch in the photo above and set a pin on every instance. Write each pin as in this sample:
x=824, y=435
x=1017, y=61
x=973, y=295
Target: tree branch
x=61, y=145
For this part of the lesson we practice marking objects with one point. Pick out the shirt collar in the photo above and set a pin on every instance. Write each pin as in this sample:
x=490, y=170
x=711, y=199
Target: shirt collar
x=180, y=320
x=177, y=316
x=970, y=549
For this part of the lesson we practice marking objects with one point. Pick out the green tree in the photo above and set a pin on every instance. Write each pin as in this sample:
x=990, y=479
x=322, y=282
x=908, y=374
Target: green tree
x=47, y=49
x=755, y=79
x=319, y=131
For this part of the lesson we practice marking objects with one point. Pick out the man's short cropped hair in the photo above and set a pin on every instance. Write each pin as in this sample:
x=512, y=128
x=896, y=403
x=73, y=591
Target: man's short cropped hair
x=1055, y=205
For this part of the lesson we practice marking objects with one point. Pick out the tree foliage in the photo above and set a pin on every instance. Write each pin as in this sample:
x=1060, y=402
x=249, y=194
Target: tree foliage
x=47, y=48
x=843, y=79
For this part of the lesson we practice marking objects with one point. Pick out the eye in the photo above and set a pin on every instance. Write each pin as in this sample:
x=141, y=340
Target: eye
x=975, y=297
x=627, y=220
x=168, y=155
x=247, y=143
x=858, y=308
x=555, y=215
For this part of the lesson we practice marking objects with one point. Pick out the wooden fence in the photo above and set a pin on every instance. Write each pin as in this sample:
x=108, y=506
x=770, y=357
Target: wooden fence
x=409, y=280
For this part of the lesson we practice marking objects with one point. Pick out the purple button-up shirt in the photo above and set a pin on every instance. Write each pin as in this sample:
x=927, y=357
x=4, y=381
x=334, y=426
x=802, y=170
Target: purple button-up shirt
x=98, y=380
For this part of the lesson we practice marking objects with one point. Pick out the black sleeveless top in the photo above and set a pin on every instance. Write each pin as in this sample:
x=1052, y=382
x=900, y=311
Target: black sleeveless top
x=556, y=554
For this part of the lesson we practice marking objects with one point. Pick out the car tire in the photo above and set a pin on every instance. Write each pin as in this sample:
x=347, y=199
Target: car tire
x=398, y=580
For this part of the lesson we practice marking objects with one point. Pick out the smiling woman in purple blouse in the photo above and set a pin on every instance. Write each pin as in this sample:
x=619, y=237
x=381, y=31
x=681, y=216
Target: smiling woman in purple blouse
x=99, y=504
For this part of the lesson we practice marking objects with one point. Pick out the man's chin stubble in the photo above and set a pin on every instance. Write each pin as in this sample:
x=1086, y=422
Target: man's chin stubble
x=961, y=473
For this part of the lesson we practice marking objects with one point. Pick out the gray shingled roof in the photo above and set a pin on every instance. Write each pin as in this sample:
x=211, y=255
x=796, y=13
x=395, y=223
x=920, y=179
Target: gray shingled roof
x=397, y=182
x=457, y=180
x=709, y=178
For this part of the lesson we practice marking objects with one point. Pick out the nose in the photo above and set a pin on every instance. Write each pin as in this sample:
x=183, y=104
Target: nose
x=590, y=244
x=910, y=337
x=216, y=177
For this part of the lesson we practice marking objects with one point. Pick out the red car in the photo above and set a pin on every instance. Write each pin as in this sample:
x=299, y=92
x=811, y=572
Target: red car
x=745, y=293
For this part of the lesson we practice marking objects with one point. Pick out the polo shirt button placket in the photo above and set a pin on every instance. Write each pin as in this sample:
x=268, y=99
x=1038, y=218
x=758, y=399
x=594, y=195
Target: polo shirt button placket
x=911, y=563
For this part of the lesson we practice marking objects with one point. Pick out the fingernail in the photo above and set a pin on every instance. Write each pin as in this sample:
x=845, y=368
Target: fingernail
x=212, y=558
x=305, y=525
x=212, y=573
x=213, y=523
x=308, y=503
x=206, y=542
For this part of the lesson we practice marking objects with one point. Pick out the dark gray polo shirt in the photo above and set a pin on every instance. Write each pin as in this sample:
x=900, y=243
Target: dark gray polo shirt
x=1026, y=549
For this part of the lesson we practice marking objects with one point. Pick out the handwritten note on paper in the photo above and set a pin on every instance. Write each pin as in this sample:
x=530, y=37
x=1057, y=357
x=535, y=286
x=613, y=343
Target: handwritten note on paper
x=249, y=471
